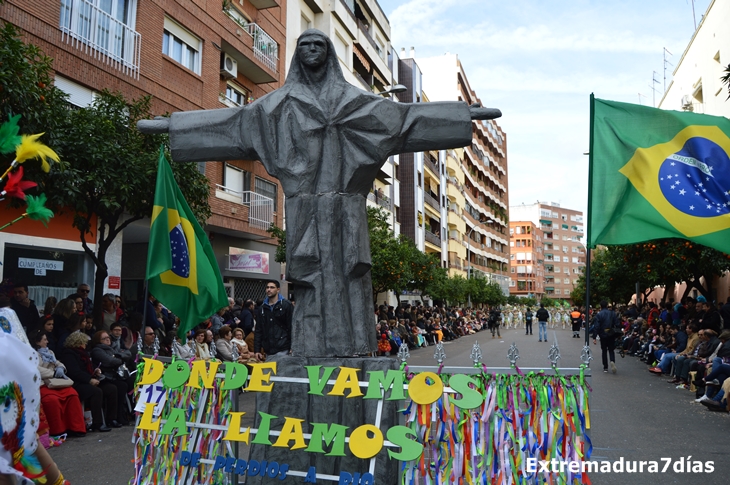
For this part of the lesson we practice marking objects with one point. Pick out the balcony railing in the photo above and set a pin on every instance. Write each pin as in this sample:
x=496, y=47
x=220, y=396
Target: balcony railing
x=431, y=162
x=96, y=32
x=431, y=200
x=365, y=29
x=455, y=264
x=265, y=49
x=381, y=199
x=433, y=238
x=260, y=207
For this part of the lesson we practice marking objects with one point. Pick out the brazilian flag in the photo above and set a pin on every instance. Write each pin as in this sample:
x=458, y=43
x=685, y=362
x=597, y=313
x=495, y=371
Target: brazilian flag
x=658, y=174
x=181, y=267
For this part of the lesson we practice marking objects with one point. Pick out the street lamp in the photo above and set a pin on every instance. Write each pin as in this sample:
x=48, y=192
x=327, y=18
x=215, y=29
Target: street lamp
x=398, y=88
x=468, y=251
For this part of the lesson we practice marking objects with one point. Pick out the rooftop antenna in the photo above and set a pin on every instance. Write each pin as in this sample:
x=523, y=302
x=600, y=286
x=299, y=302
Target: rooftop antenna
x=666, y=51
x=641, y=96
x=693, y=14
x=653, y=88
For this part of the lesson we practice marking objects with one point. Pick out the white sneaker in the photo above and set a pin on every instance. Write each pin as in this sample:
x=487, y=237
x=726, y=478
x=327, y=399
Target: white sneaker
x=613, y=367
x=702, y=398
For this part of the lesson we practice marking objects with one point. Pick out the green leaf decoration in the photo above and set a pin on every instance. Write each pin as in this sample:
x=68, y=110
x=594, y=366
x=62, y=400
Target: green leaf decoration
x=9, y=137
x=37, y=209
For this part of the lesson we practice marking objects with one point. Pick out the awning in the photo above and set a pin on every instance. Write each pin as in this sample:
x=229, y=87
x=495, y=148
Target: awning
x=361, y=56
x=543, y=221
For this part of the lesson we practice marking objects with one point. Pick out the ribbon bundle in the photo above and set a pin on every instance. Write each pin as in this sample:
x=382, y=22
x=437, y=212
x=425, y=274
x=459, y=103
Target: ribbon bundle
x=157, y=456
x=522, y=417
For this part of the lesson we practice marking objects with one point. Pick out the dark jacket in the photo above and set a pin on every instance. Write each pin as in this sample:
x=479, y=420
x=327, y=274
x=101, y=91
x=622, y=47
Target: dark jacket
x=707, y=348
x=103, y=354
x=605, y=319
x=273, y=327
x=75, y=369
x=246, y=323
x=28, y=316
x=711, y=319
x=542, y=315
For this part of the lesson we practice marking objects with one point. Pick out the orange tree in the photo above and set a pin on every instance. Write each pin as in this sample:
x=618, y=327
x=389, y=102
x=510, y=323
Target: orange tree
x=662, y=262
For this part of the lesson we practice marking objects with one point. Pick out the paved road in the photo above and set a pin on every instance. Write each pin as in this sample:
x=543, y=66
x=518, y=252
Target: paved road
x=634, y=415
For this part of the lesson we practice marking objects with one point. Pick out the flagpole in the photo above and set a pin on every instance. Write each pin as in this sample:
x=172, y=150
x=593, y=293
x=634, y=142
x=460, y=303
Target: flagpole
x=588, y=222
x=144, y=317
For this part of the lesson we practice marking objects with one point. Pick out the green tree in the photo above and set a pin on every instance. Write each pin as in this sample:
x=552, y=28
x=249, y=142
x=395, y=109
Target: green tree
x=110, y=173
x=726, y=79
x=280, y=235
x=26, y=88
x=391, y=268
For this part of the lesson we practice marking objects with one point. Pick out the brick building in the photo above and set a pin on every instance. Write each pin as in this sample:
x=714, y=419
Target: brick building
x=563, y=249
x=187, y=55
x=527, y=271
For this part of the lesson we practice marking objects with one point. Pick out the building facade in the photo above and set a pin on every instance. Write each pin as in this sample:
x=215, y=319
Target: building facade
x=696, y=84
x=187, y=56
x=476, y=198
x=527, y=270
x=563, y=250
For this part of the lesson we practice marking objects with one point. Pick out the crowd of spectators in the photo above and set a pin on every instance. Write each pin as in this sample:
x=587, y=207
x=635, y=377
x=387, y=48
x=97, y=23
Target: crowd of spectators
x=85, y=359
x=688, y=342
x=421, y=326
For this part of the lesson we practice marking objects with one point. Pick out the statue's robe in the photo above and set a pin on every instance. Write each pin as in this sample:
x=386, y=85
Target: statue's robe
x=325, y=141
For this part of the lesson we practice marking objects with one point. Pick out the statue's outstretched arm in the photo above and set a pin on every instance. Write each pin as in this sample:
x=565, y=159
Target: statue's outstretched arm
x=476, y=112
x=156, y=126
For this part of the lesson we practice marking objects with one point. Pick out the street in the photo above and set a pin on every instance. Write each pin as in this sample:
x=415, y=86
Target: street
x=634, y=416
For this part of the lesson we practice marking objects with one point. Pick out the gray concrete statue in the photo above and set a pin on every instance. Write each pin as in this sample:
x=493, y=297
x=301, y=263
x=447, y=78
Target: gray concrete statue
x=325, y=140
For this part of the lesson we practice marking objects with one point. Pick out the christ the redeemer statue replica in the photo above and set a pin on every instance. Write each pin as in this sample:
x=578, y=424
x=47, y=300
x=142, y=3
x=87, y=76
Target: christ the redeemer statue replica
x=325, y=140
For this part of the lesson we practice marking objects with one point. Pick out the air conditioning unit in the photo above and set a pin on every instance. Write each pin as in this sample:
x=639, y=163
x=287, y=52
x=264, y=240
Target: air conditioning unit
x=229, y=66
x=687, y=104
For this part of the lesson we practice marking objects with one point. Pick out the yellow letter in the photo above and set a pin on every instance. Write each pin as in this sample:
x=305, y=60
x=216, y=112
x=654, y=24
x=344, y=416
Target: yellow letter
x=258, y=378
x=364, y=446
x=201, y=372
x=292, y=430
x=234, y=429
x=146, y=421
x=423, y=393
x=347, y=379
x=152, y=372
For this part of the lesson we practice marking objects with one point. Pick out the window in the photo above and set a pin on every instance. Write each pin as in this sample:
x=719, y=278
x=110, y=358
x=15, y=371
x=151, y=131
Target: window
x=566, y=281
x=306, y=23
x=181, y=45
x=266, y=188
x=236, y=94
x=557, y=291
x=106, y=26
x=565, y=249
x=235, y=180
x=566, y=270
x=565, y=259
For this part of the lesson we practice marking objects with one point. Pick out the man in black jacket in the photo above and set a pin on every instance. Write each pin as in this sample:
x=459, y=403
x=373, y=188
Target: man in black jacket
x=25, y=308
x=542, y=318
x=273, y=323
x=606, y=327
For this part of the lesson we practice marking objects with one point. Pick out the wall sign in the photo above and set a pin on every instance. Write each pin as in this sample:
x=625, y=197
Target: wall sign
x=247, y=260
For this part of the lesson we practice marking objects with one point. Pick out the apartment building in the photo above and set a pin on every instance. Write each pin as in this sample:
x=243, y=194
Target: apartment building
x=475, y=199
x=696, y=84
x=187, y=56
x=527, y=270
x=563, y=250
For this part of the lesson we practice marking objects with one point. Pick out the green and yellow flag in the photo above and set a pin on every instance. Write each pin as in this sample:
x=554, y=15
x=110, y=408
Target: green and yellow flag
x=181, y=267
x=658, y=174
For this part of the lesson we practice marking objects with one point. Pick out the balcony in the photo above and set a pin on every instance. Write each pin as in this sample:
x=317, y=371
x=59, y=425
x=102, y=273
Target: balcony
x=263, y=4
x=97, y=33
x=430, y=162
x=265, y=49
x=431, y=200
x=260, y=207
x=433, y=238
x=455, y=265
x=381, y=199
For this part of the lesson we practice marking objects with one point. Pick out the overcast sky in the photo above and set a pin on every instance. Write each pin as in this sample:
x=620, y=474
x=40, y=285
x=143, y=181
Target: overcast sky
x=539, y=60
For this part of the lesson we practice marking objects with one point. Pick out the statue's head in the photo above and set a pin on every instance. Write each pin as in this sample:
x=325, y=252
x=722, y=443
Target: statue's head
x=312, y=49
x=315, y=62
